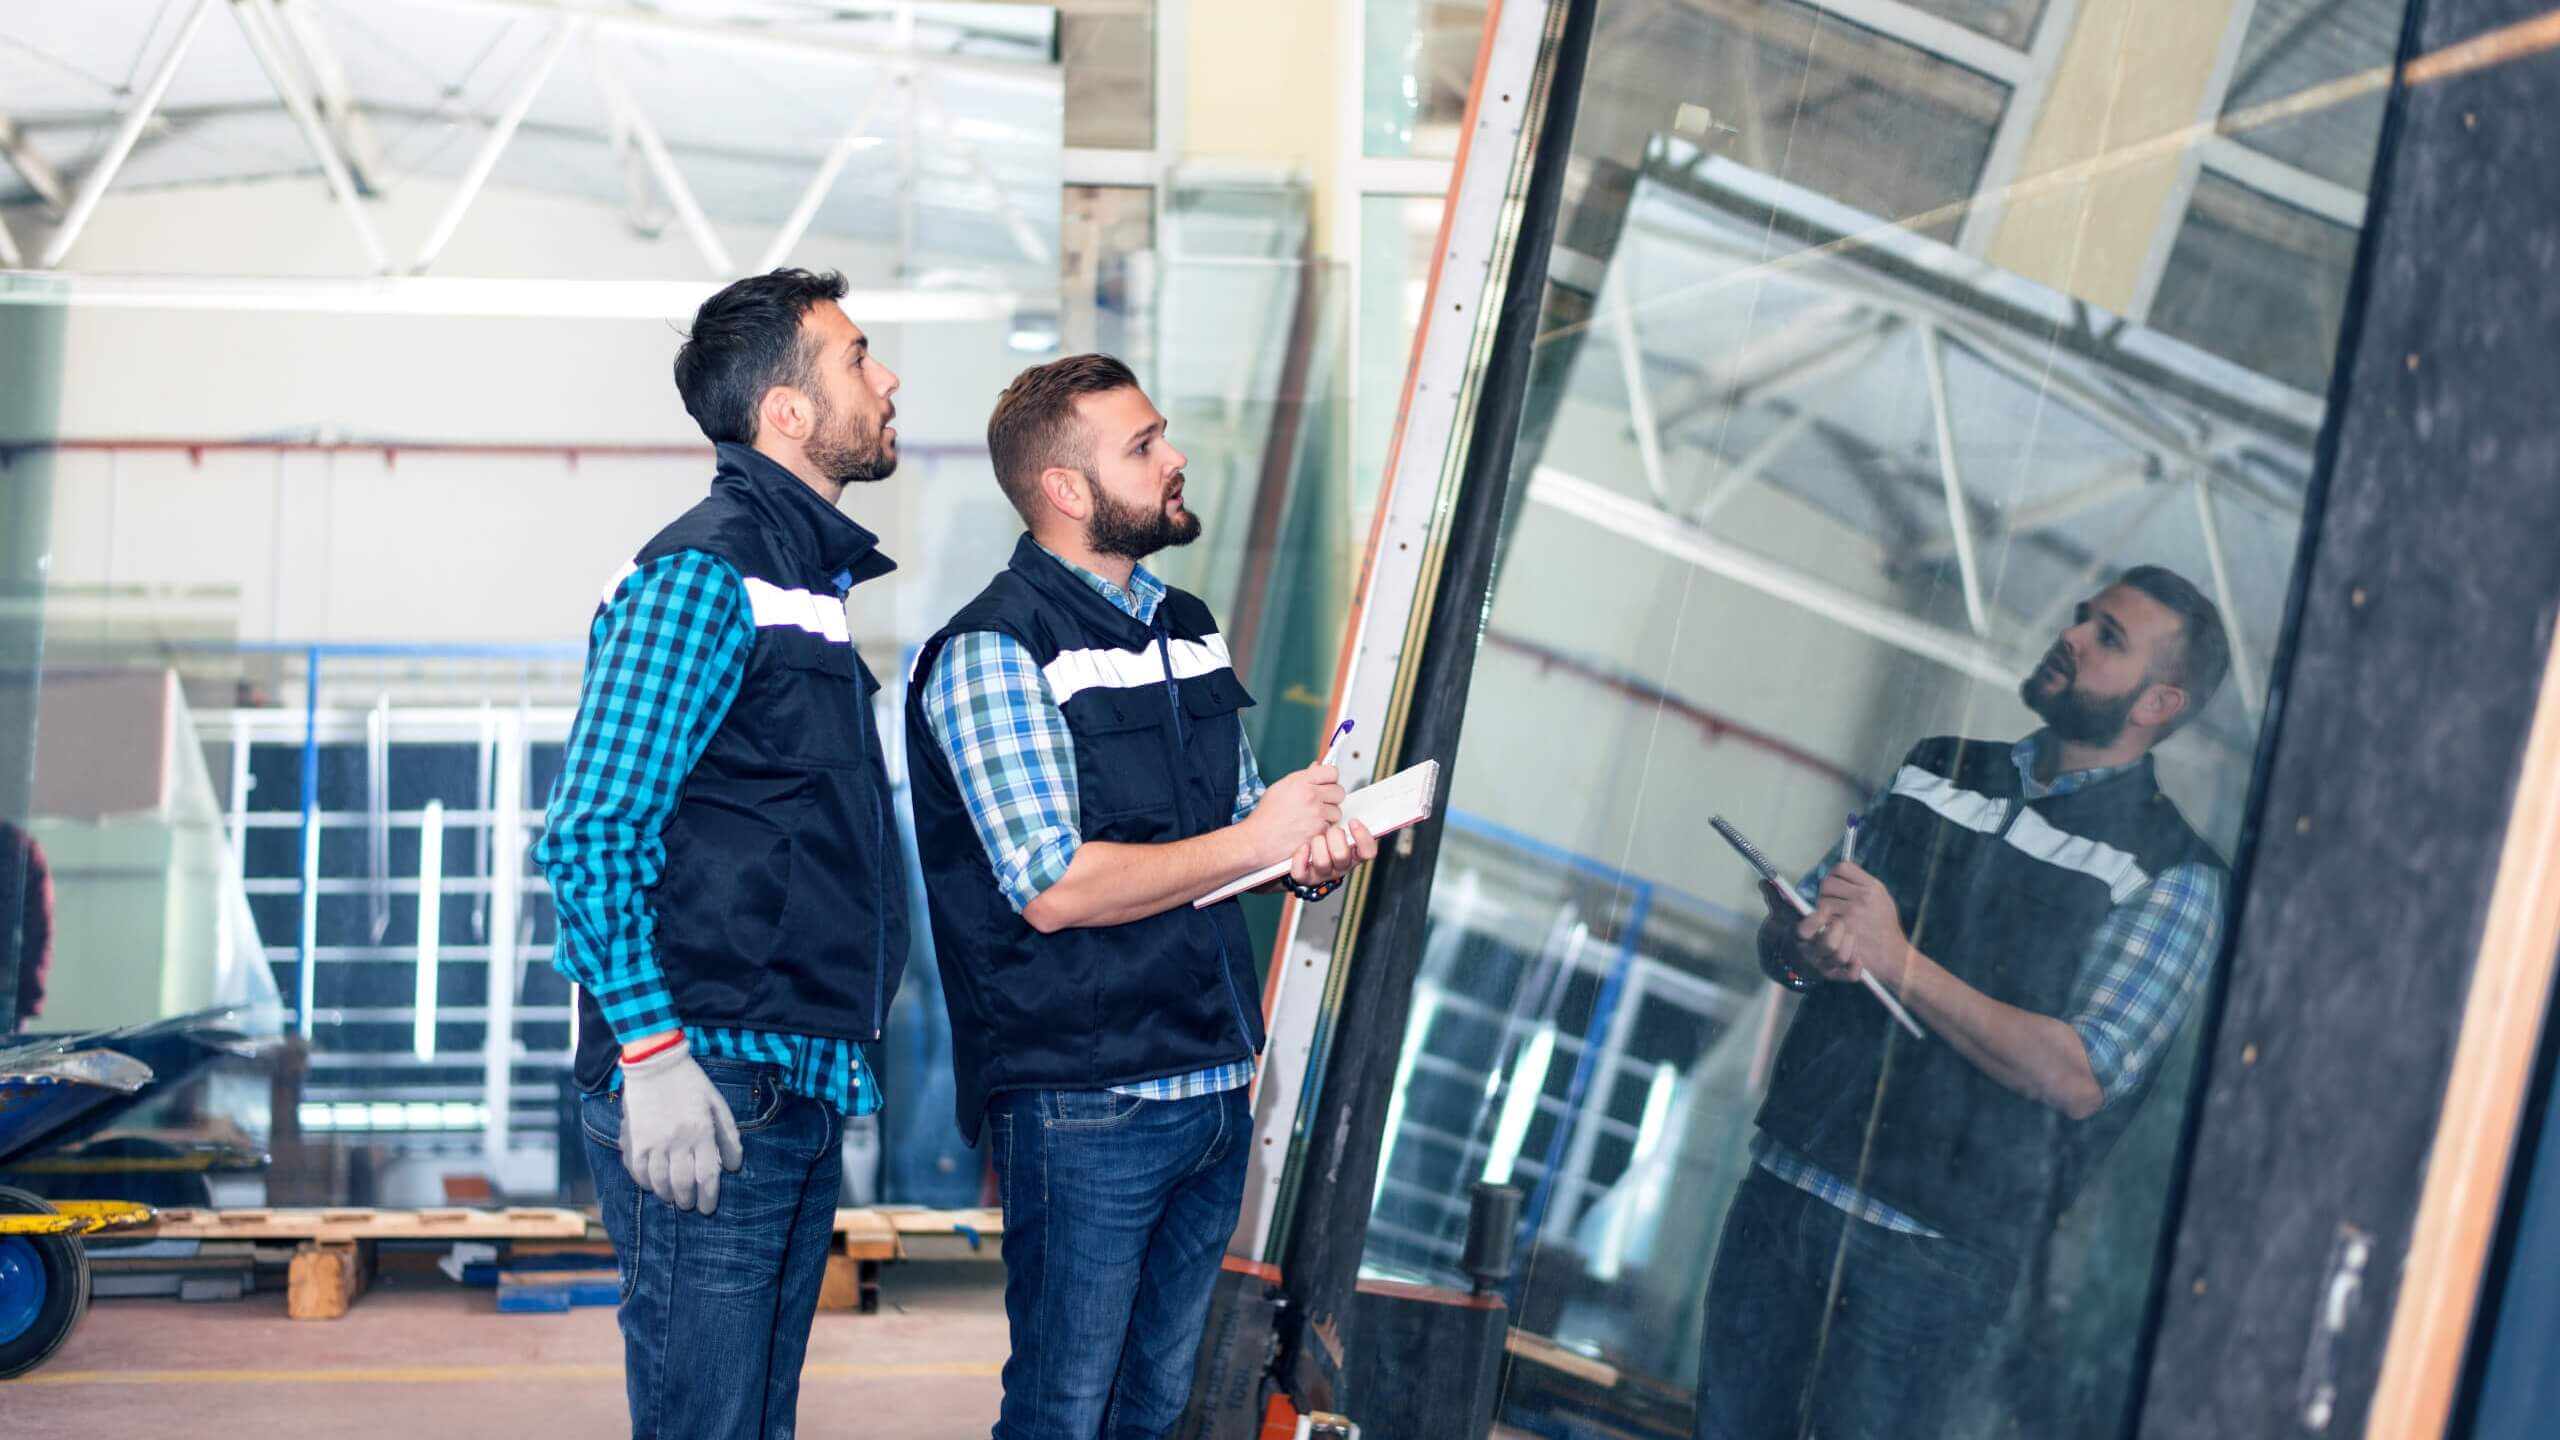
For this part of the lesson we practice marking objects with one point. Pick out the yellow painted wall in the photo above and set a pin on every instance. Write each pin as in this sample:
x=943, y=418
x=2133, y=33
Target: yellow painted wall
x=2130, y=72
x=1261, y=86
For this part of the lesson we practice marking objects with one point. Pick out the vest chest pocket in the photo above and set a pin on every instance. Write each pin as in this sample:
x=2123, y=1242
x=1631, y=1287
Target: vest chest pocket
x=1125, y=764
x=821, y=704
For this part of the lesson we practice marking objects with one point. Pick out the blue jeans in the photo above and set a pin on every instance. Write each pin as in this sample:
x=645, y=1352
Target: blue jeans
x=716, y=1308
x=1116, y=1214
x=1882, y=1360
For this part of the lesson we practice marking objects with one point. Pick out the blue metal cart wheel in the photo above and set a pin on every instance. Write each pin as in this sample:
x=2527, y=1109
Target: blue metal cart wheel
x=22, y=1287
x=44, y=1289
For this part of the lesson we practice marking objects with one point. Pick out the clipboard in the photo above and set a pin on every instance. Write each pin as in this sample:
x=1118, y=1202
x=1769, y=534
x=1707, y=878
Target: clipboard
x=1402, y=799
x=1752, y=856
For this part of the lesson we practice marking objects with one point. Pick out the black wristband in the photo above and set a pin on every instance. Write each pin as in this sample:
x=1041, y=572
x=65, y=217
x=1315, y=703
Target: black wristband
x=1312, y=893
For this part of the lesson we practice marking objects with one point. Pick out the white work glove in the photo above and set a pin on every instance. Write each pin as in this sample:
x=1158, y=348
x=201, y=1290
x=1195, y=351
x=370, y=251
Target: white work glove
x=677, y=1132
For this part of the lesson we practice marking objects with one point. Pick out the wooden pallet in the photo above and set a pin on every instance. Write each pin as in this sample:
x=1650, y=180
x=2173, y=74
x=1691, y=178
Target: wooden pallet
x=335, y=1261
x=869, y=1238
x=367, y=1224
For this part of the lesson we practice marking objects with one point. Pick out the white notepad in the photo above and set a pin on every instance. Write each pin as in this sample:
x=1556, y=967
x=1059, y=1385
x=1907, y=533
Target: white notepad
x=1401, y=799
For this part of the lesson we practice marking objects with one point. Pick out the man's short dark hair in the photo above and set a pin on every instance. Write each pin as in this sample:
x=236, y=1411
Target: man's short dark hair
x=1034, y=425
x=2204, y=648
x=745, y=341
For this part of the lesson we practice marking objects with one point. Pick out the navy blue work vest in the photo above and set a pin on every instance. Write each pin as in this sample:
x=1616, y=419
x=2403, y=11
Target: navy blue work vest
x=2003, y=892
x=1154, y=715
x=782, y=905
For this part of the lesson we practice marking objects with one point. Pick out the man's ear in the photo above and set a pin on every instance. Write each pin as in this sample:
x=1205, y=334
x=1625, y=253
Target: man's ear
x=783, y=410
x=2160, y=704
x=1070, y=492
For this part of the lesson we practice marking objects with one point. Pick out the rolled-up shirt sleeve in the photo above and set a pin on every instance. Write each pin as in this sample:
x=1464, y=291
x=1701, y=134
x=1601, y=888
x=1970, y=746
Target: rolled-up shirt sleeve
x=989, y=708
x=666, y=657
x=2140, y=974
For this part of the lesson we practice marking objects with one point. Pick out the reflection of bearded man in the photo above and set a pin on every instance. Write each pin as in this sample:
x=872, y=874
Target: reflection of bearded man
x=1898, y=1188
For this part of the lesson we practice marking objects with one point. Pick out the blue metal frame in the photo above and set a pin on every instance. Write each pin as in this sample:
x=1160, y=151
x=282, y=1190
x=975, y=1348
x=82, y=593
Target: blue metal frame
x=305, y=990
x=1642, y=895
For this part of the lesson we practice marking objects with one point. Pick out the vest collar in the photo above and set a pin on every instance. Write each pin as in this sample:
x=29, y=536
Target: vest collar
x=1048, y=575
x=816, y=533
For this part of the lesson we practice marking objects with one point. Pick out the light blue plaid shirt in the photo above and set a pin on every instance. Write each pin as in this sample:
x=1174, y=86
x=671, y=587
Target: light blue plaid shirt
x=990, y=709
x=2140, y=971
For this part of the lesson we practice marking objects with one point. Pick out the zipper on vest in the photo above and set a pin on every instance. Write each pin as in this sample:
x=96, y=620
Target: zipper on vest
x=1182, y=782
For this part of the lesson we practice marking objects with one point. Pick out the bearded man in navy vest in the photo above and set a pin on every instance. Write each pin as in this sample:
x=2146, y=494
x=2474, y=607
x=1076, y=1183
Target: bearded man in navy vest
x=1081, y=776
x=722, y=850
x=2048, y=917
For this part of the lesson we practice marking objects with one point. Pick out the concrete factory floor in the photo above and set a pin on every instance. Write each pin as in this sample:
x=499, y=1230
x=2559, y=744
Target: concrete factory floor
x=429, y=1360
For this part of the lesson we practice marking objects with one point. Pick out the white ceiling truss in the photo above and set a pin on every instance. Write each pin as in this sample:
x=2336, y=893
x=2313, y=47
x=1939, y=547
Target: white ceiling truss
x=1999, y=454
x=983, y=78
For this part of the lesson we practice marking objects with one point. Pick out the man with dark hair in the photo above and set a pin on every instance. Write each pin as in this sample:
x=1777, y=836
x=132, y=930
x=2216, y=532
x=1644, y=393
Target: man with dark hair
x=1080, y=777
x=721, y=847
x=2048, y=916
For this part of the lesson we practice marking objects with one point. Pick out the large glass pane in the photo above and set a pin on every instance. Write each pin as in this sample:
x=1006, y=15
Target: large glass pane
x=1396, y=235
x=1844, y=112
x=1820, y=525
x=1421, y=58
x=2294, y=46
x=2257, y=281
x=1108, y=48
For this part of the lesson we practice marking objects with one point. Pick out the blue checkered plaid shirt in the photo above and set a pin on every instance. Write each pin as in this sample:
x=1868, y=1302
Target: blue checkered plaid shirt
x=665, y=658
x=2140, y=972
x=989, y=707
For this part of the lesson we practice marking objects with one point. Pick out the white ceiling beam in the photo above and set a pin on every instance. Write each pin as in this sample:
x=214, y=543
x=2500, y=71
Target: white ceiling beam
x=617, y=97
x=500, y=133
x=264, y=31
x=808, y=46
x=1933, y=366
x=2118, y=482
x=37, y=171
x=1639, y=391
x=2295, y=186
x=332, y=94
x=456, y=295
x=1749, y=468
x=806, y=212
x=1025, y=238
x=2243, y=673
x=1943, y=38
x=93, y=186
x=1636, y=520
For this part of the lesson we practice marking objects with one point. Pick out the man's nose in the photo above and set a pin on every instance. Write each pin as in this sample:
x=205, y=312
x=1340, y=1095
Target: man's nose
x=892, y=387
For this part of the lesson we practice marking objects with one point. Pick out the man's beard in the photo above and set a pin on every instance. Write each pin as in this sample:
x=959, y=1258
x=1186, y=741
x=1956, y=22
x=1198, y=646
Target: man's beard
x=846, y=456
x=2072, y=716
x=1134, y=532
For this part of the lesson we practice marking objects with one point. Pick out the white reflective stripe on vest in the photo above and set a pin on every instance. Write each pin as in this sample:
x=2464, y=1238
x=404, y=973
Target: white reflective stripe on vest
x=2032, y=835
x=1969, y=808
x=800, y=609
x=1076, y=671
x=2122, y=874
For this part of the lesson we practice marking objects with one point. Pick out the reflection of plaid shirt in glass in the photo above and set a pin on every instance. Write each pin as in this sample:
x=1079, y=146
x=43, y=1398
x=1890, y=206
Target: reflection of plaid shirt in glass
x=988, y=705
x=2140, y=972
x=665, y=659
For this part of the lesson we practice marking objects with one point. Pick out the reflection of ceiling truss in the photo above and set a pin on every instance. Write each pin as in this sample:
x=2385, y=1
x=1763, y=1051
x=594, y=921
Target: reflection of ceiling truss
x=2055, y=455
x=904, y=71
